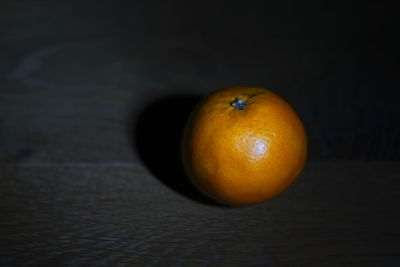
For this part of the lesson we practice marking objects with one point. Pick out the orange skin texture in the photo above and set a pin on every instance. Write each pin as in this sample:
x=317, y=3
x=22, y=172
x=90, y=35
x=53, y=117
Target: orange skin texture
x=248, y=156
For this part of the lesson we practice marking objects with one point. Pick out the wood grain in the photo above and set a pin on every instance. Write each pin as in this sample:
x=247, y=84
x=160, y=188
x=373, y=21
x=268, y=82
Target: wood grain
x=336, y=214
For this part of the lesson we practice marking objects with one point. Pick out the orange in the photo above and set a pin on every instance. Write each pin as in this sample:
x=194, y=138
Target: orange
x=244, y=145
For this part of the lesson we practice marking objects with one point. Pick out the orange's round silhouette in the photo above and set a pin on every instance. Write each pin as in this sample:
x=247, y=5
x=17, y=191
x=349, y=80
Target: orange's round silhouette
x=244, y=145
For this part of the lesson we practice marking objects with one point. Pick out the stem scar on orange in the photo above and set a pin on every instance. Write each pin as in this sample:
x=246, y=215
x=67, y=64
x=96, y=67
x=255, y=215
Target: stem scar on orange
x=243, y=145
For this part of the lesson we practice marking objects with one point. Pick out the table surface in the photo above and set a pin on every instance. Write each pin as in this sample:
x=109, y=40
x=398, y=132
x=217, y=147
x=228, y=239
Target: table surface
x=337, y=213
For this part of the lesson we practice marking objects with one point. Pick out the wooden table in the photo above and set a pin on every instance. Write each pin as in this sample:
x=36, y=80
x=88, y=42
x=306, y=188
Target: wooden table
x=338, y=213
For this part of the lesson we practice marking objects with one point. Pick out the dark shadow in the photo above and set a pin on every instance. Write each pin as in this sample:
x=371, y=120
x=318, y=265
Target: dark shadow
x=157, y=135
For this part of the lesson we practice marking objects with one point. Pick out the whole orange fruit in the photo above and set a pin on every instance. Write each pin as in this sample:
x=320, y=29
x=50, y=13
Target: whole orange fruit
x=243, y=145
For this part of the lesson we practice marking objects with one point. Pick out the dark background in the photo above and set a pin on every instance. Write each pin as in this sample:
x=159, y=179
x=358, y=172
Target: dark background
x=76, y=63
x=93, y=97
